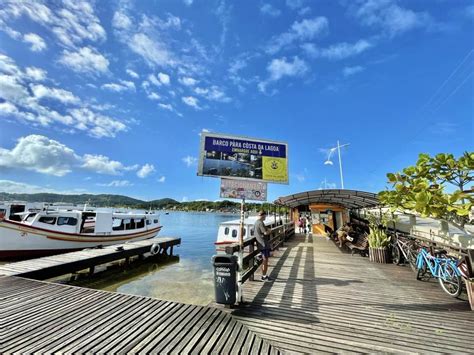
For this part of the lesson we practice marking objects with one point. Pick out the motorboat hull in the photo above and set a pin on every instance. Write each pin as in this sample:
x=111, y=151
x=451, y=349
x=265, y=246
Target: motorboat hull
x=18, y=240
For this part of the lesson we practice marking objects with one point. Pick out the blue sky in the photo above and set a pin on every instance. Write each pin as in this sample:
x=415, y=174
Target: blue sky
x=111, y=96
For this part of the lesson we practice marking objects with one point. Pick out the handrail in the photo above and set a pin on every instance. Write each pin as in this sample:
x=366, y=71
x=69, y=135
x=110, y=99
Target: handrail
x=250, y=263
x=459, y=250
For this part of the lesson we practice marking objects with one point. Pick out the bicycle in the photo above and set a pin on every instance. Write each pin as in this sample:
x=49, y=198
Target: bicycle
x=404, y=249
x=445, y=269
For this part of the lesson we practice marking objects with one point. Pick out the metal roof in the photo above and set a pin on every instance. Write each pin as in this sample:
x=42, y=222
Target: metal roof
x=345, y=198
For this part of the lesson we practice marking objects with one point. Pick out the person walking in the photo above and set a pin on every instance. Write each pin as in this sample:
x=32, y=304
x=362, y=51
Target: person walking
x=263, y=243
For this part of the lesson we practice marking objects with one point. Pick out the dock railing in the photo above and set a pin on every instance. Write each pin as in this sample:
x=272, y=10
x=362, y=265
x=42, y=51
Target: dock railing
x=250, y=262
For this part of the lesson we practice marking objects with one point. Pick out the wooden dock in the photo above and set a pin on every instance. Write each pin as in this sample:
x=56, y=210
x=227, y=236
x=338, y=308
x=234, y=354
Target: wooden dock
x=324, y=300
x=43, y=317
x=61, y=264
x=321, y=300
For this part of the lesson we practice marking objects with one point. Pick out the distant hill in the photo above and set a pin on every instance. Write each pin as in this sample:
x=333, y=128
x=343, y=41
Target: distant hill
x=103, y=200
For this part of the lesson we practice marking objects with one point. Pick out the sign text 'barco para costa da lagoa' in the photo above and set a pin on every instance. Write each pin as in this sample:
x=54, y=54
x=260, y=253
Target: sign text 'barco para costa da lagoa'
x=243, y=158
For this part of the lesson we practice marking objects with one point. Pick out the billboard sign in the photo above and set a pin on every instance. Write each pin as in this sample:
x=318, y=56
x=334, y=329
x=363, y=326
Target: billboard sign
x=243, y=158
x=244, y=189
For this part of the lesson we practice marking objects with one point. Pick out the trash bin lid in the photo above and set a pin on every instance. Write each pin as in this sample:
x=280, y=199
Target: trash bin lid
x=224, y=258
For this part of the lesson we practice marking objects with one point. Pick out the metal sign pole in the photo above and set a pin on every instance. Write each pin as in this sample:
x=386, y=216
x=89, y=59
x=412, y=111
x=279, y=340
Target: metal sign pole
x=241, y=252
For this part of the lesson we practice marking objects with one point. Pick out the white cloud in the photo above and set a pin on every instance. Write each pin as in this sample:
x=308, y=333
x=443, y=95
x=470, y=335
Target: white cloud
x=279, y=68
x=36, y=74
x=30, y=102
x=300, y=177
x=95, y=124
x=166, y=107
x=164, y=78
x=304, y=30
x=154, y=96
x=40, y=91
x=268, y=9
x=121, y=21
x=188, y=2
x=294, y=4
x=40, y=154
x=191, y=101
x=14, y=187
x=187, y=81
x=72, y=22
x=161, y=179
x=189, y=160
x=153, y=52
x=132, y=74
x=85, y=60
x=213, y=94
x=37, y=43
x=119, y=87
x=337, y=51
x=47, y=156
x=145, y=170
x=389, y=16
x=117, y=183
x=348, y=71
x=102, y=164
x=11, y=89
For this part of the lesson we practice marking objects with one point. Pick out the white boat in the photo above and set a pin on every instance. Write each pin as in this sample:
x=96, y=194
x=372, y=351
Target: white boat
x=53, y=231
x=229, y=232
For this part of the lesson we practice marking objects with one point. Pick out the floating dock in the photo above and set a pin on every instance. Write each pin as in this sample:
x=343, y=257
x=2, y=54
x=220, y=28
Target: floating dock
x=61, y=264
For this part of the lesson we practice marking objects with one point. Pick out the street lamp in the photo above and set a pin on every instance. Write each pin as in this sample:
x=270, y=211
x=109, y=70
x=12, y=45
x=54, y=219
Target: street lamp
x=329, y=162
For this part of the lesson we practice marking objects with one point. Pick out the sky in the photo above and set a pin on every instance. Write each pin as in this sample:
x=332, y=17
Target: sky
x=112, y=96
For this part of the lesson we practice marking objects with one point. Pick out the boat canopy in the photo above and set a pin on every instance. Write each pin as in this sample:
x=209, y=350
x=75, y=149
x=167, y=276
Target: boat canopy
x=349, y=199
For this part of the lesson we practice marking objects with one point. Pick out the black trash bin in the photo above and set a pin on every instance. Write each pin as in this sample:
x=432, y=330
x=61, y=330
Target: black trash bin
x=225, y=278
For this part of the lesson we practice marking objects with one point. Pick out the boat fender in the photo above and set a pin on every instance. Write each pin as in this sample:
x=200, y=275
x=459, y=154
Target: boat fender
x=155, y=248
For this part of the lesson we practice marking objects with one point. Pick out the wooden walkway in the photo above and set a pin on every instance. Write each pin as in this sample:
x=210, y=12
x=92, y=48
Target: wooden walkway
x=42, y=317
x=57, y=265
x=324, y=300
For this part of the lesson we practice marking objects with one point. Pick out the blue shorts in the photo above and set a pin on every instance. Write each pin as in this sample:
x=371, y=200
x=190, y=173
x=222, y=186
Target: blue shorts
x=265, y=253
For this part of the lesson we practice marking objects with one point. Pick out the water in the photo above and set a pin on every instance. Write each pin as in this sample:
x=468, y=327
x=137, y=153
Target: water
x=187, y=279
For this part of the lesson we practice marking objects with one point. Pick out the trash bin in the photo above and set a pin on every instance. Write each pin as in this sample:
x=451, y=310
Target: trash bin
x=225, y=279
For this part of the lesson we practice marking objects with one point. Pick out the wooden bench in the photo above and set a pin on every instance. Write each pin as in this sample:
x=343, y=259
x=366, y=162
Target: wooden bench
x=361, y=245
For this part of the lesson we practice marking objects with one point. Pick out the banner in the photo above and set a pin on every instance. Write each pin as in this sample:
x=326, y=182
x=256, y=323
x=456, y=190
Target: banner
x=241, y=189
x=243, y=158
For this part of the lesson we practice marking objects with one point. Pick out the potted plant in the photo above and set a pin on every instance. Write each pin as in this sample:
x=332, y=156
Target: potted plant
x=378, y=239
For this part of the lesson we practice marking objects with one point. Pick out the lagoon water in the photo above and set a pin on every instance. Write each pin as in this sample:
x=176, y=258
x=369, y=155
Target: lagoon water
x=187, y=279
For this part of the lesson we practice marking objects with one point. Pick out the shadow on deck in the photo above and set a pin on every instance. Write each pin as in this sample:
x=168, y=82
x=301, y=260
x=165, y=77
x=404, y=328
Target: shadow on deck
x=323, y=299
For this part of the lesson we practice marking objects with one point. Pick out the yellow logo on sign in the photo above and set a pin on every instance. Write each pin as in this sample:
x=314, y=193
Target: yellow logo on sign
x=274, y=169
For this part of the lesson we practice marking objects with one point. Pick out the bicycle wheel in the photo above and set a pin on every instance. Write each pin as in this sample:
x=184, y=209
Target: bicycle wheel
x=421, y=272
x=412, y=259
x=396, y=255
x=450, y=282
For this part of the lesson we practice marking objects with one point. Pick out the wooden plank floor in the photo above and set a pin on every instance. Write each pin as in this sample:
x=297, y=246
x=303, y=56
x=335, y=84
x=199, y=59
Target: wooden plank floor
x=57, y=265
x=43, y=317
x=324, y=300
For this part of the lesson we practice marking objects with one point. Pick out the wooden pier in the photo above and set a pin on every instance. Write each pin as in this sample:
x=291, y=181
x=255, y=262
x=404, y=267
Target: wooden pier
x=325, y=300
x=321, y=300
x=61, y=264
x=43, y=317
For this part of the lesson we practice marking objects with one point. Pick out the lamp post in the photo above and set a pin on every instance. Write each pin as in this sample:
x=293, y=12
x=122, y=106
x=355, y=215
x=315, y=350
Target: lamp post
x=329, y=162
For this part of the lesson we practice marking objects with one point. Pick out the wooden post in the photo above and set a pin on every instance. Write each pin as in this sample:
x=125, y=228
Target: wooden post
x=470, y=292
x=241, y=253
x=252, y=261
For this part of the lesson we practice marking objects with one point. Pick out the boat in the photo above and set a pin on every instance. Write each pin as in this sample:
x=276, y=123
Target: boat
x=229, y=232
x=39, y=232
